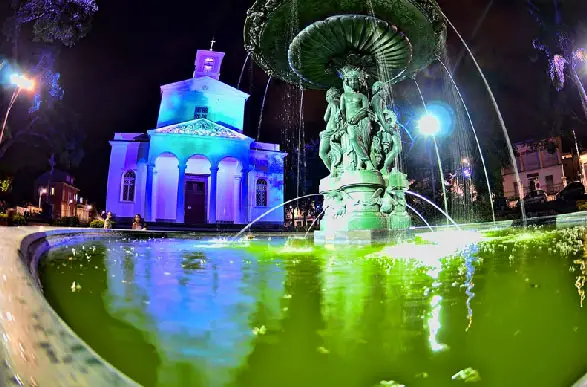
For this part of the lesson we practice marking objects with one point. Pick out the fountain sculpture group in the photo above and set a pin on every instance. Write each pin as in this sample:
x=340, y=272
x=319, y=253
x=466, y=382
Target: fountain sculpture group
x=356, y=50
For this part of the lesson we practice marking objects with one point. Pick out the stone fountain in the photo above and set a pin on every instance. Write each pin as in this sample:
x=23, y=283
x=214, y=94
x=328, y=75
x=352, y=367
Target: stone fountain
x=356, y=50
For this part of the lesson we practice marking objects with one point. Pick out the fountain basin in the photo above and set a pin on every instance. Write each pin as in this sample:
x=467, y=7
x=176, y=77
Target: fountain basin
x=306, y=302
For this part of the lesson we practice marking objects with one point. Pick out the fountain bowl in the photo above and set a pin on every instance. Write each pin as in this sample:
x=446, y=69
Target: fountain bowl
x=272, y=25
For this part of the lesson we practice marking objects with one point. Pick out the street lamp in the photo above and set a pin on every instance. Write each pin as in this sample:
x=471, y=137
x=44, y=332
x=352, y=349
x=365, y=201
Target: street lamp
x=22, y=83
x=429, y=125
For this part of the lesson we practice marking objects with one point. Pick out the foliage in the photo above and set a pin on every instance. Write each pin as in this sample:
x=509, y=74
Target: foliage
x=45, y=123
x=63, y=21
x=71, y=221
x=18, y=220
x=97, y=223
x=557, y=40
x=582, y=205
x=5, y=184
x=12, y=219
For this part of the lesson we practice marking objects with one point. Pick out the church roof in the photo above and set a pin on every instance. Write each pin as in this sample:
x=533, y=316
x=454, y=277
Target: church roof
x=200, y=127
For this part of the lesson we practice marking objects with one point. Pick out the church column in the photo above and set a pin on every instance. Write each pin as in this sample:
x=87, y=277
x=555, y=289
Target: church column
x=245, y=196
x=149, y=193
x=180, y=207
x=213, y=184
x=238, y=212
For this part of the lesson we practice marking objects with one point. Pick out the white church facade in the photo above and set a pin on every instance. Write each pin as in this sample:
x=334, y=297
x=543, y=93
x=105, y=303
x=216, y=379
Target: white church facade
x=196, y=167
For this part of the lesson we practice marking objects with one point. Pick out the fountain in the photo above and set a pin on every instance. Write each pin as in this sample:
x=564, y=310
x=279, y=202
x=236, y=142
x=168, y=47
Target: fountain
x=356, y=51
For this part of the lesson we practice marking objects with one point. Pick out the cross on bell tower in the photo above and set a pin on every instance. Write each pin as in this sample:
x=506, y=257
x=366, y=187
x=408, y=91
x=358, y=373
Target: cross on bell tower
x=208, y=62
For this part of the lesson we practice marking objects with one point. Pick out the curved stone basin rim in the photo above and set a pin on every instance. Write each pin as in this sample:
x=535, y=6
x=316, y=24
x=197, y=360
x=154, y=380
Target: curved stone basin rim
x=35, y=343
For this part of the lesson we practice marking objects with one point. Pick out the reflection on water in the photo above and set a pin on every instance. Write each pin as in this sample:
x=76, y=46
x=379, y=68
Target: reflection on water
x=177, y=312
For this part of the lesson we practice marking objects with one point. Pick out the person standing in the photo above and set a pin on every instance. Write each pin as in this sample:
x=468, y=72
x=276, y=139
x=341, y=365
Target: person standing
x=138, y=223
x=108, y=221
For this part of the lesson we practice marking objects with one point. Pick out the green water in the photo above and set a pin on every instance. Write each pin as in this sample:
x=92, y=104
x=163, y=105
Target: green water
x=180, y=312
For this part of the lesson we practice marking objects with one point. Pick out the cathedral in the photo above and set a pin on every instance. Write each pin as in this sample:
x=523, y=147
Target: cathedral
x=196, y=167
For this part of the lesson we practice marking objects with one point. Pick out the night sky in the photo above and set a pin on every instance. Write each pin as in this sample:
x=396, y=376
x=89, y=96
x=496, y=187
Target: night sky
x=112, y=77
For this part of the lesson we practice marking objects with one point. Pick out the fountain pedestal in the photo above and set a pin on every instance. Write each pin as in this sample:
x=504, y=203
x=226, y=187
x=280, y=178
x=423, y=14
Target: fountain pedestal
x=353, y=209
x=363, y=207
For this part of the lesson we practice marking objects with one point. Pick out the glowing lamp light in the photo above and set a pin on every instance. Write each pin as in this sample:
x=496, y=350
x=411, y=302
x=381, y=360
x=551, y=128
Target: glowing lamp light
x=22, y=82
x=429, y=125
x=43, y=191
x=467, y=172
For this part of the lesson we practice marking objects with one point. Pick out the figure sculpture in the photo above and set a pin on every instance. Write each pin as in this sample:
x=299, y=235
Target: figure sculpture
x=331, y=157
x=354, y=107
x=388, y=134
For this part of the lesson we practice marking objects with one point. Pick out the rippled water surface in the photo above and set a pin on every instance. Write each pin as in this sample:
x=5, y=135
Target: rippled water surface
x=185, y=312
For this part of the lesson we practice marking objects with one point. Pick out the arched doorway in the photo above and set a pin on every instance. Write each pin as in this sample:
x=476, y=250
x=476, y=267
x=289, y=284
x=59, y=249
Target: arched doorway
x=228, y=192
x=197, y=188
x=165, y=183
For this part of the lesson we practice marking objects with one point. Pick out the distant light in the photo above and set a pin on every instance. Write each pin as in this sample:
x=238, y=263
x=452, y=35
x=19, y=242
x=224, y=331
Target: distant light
x=22, y=82
x=43, y=191
x=429, y=125
x=89, y=207
x=467, y=172
x=465, y=161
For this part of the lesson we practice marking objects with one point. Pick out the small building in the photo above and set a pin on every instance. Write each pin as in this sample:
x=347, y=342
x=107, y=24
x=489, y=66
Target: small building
x=196, y=167
x=540, y=166
x=304, y=217
x=575, y=167
x=57, y=190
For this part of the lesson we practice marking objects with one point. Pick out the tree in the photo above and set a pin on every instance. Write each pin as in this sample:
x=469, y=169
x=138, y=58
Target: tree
x=36, y=31
x=557, y=41
x=52, y=21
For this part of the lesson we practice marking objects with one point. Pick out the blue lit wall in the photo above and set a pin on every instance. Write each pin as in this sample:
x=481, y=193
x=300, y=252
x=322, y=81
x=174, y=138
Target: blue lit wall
x=226, y=105
x=125, y=156
x=268, y=165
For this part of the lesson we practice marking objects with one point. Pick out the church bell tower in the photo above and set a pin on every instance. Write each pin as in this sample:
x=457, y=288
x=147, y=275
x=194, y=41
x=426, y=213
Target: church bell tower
x=208, y=63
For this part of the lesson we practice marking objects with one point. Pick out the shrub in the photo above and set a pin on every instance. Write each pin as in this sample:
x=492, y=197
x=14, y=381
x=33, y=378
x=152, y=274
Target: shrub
x=97, y=223
x=582, y=205
x=71, y=221
x=18, y=220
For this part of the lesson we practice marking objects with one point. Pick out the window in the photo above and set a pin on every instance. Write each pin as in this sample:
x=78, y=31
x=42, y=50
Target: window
x=261, y=193
x=208, y=64
x=128, y=186
x=531, y=161
x=550, y=159
x=201, y=112
x=52, y=191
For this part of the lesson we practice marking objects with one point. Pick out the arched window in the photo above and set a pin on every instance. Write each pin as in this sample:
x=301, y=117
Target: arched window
x=128, y=186
x=261, y=193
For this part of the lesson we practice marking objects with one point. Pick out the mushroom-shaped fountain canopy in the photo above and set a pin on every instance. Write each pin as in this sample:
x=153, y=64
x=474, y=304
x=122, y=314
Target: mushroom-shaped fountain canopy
x=303, y=41
x=319, y=51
